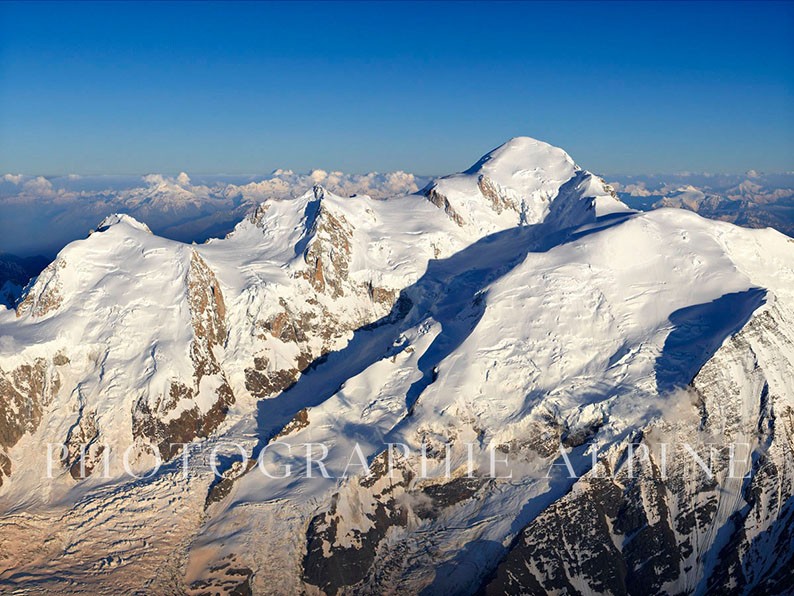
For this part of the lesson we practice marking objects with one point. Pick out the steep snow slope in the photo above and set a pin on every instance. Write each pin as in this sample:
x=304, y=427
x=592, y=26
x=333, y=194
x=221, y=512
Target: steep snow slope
x=517, y=342
x=515, y=309
x=124, y=334
x=520, y=181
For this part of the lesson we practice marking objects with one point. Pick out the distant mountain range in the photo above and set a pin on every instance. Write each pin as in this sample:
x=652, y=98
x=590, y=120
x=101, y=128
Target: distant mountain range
x=752, y=200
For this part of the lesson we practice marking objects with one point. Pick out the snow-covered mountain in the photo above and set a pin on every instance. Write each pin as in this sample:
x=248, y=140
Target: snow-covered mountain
x=62, y=209
x=515, y=311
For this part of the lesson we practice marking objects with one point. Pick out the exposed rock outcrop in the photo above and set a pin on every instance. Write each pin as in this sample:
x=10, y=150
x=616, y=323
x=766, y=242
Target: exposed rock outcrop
x=24, y=394
x=45, y=295
x=158, y=424
x=652, y=527
x=439, y=200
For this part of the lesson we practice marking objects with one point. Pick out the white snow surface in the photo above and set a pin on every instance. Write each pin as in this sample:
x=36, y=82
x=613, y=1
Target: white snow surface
x=557, y=311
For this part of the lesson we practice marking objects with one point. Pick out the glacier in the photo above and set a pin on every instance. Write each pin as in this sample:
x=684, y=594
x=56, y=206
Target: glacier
x=517, y=307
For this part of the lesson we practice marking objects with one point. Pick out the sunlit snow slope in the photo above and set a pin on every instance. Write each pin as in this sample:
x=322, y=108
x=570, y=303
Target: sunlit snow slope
x=516, y=308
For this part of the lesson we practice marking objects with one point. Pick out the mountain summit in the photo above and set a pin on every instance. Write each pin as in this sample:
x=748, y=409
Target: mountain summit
x=515, y=314
x=522, y=182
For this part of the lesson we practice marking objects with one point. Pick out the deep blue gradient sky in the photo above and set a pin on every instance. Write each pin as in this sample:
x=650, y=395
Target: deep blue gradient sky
x=631, y=87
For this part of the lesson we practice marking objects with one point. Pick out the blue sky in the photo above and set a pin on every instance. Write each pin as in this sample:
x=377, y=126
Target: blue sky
x=627, y=87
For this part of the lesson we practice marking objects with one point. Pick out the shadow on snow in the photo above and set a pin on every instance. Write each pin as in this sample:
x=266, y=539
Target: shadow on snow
x=452, y=292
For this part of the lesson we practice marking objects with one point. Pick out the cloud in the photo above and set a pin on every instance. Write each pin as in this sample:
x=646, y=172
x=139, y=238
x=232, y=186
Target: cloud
x=284, y=184
x=38, y=186
x=401, y=182
x=183, y=179
x=154, y=179
x=318, y=175
x=13, y=178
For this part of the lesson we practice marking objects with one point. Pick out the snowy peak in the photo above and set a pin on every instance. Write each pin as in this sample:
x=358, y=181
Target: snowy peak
x=327, y=244
x=516, y=184
x=510, y=163
x=141, y=321
x=317, y=209
x=122, y=219
x=319, y=192
x=61, y=280
x=459, y=319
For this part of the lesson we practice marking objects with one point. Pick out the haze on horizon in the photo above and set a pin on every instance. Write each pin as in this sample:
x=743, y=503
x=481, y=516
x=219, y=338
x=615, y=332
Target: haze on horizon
x=209, y=88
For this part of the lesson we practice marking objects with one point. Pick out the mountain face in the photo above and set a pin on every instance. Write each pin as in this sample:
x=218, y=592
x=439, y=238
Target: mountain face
x=508, y=382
